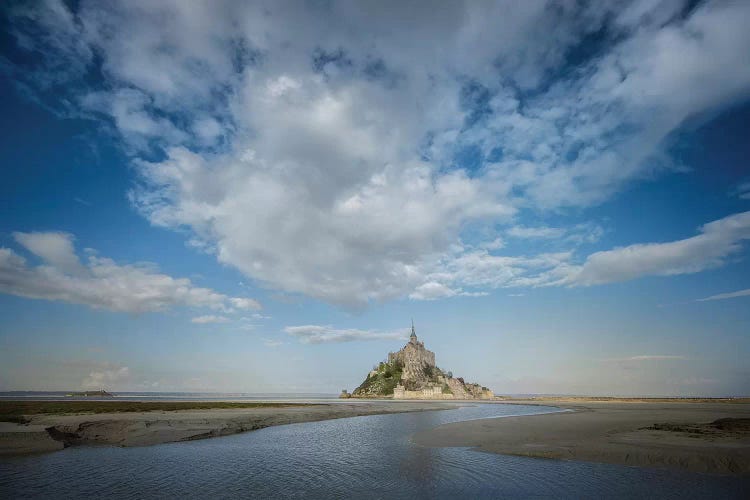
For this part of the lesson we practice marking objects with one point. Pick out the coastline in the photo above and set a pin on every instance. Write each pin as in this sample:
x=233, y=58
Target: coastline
x=46, y=432
x=616, y=431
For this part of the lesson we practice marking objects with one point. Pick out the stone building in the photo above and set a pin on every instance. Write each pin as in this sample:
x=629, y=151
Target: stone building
x=418, y=363
x=411, y=373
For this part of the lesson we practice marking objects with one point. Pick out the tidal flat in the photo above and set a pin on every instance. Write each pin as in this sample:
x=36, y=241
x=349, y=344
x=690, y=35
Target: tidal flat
x=709, y=436
x=42, y=426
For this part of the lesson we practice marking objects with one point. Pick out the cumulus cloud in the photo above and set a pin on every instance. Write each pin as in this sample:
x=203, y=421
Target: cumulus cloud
x=209, y=318
x=728, y=295
x=100, y=282
x=717, y=241
x=317, y=334
x=340, y=150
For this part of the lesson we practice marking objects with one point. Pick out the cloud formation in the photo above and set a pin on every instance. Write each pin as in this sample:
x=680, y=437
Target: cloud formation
x=652, y=357
x=209, y=318
x=317, y=334
x=728, y=295
x=743, y=191
x=100, y=283
x=716, y=242
x=106, y=377
x=345, y=150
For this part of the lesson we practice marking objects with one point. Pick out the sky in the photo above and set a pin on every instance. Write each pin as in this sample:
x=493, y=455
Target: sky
x=261, y=196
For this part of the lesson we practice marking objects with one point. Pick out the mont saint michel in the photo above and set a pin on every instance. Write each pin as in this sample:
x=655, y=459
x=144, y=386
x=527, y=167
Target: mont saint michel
x=411, y=373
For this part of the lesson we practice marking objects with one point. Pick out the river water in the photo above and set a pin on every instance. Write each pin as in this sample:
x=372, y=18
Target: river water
x=361, y=457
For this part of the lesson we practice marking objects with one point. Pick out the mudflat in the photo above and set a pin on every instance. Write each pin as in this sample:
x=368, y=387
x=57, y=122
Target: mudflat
x=700, y=436
x=75, y=423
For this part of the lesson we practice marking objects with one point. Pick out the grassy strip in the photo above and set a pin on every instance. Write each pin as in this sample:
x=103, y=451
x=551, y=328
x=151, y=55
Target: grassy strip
x=15, y=411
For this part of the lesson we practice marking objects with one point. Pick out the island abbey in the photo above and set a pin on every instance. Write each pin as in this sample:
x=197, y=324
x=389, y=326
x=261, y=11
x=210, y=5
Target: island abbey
x=411, y=373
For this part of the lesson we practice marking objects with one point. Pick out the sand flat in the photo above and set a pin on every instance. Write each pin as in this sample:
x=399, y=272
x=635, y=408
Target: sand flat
x=611, y=432
x=52, y=432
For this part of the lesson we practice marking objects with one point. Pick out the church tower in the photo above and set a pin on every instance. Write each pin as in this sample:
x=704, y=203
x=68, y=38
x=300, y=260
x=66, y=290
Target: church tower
x=413, y=336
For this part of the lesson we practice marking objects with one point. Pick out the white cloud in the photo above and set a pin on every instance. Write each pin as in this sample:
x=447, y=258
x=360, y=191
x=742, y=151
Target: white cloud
x=743, y=191
x=575, y=234
x=315, y=147
x=83, y=202
x=259, y=316
x=470, y=269
x=106, y=378
x=480, y=269
x=728, y=295
x=716, y=242
x=100, y=282
x=495, y=244
x=209, y=318
x=316, y=334
x=536, y=232
x=272, y=343
x=54, y=248
x=244, y=303
x=432, y=290
x=653, y=357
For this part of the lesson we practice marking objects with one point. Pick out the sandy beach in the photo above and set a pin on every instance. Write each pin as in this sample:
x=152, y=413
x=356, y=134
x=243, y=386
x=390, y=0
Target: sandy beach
x=660, y=433
x=44, y=433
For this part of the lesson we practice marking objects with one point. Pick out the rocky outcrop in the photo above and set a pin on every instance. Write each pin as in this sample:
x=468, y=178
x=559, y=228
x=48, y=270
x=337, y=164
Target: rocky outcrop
x=411, y=373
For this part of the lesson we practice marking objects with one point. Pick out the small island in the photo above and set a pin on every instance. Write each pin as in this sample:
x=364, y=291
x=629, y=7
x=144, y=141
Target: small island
x=90, y=394
x=411, y=373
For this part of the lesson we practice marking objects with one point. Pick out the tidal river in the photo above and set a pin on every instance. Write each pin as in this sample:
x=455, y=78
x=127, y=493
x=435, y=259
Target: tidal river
x=361, y=457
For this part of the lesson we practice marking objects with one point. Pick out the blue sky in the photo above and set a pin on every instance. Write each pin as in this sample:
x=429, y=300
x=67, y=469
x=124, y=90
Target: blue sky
x=259, y=197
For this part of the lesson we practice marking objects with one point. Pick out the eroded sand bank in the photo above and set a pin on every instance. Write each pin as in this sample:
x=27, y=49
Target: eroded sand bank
x=53, y=432
x=612, y=432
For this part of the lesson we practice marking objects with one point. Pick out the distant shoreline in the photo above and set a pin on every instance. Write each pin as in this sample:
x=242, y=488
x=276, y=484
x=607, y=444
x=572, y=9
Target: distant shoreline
x=668, y=433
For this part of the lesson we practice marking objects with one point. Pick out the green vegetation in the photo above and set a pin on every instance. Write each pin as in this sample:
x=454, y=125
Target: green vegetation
x=738, y=426
x=15, y=411
x=381, y=383
x=446, y=389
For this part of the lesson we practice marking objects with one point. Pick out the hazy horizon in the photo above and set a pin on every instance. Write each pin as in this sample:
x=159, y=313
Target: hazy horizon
x=259, y=198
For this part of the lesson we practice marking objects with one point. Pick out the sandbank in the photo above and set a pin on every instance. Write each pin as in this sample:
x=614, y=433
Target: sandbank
x=667, y=433
x=49, y=432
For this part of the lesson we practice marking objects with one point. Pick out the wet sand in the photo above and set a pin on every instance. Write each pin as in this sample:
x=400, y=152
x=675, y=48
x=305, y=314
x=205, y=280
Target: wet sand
x=616, y=431
x=45, y=433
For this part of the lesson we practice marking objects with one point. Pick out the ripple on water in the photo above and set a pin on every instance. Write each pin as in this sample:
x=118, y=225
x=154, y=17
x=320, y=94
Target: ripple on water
x=362, y=457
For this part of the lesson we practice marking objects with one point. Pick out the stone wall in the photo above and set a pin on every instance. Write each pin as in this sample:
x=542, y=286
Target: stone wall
x=432, y=392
